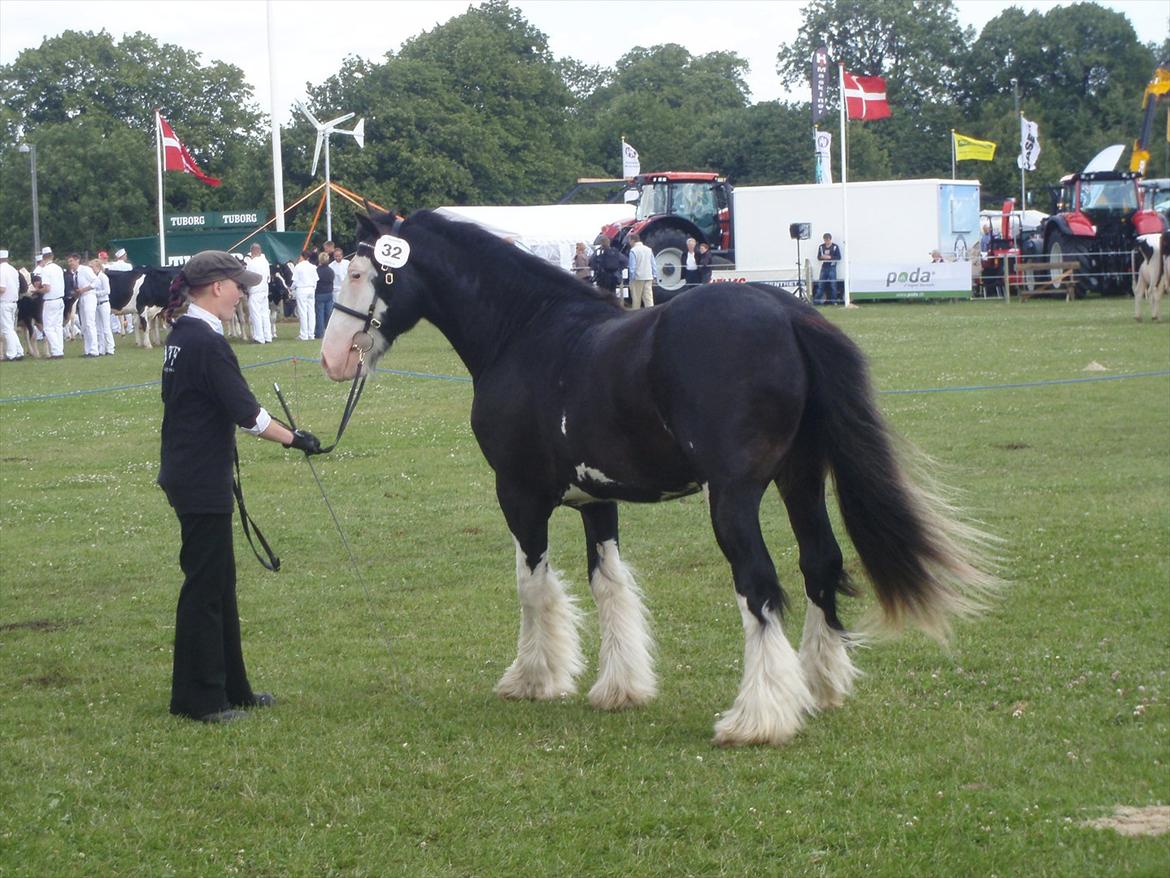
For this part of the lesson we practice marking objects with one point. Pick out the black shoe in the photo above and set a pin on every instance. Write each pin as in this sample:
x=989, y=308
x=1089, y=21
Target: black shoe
x=261, y=699
x=222, y=716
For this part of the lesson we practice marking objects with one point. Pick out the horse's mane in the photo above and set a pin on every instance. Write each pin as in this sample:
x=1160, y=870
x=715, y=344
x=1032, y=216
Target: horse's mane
x=502, y=265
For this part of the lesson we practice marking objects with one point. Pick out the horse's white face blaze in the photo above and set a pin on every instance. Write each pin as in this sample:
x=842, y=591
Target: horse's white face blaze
x=338, y=357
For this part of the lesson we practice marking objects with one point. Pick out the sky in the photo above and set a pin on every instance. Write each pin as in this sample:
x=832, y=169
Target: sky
x=313, y=37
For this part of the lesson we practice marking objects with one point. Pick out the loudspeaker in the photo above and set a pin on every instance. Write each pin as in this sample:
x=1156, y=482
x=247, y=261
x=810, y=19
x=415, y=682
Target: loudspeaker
x=799, y=231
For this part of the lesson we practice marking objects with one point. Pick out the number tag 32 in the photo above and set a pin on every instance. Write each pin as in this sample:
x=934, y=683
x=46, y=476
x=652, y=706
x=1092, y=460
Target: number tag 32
x=391, y=252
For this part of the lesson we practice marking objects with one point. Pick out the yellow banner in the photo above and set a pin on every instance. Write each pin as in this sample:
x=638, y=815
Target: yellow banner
x=970, y=148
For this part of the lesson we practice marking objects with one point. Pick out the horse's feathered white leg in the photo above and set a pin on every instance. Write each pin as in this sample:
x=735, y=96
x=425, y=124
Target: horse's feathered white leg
x=548, y=652
x=773, y=696
x=626, y=663
x=824, y=656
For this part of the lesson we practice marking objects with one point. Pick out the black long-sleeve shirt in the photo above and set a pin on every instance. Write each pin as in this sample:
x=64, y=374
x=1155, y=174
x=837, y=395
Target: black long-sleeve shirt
x=205, y=397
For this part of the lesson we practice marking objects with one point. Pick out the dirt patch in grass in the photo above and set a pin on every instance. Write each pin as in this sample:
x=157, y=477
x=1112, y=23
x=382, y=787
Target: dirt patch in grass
x=51, y=680
x=1011, y=446
x=1151, y=820
x=35, y=625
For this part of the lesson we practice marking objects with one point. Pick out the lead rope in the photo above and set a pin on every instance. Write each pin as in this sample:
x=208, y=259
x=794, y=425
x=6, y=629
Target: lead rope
x=395, y=669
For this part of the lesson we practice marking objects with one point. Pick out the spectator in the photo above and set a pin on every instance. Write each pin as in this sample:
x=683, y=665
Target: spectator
x=304, y=288
x=258, y=317
x=643, y=273
x=323, y=293
x=697, y=262
x=9, y=293
x=581, y=261
x=339, y=265
x=101, y=289
x=825, y=289
x=83, y=280
x=53, y=311
x=607, y=265
x=205, y=397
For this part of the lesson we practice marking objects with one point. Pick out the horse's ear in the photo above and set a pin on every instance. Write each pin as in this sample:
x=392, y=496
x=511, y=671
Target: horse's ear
x=367, y=228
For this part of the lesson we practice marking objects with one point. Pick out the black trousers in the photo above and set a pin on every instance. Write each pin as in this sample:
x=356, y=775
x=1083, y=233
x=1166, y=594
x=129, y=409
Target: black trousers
x=209, y=674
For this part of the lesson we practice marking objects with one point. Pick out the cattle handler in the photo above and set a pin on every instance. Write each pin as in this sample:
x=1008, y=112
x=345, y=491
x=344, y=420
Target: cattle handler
x=205, y=397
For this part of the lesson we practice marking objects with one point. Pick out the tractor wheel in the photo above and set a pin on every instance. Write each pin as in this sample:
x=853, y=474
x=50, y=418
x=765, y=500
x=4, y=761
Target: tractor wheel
x=1066, y=248
x=670, y=247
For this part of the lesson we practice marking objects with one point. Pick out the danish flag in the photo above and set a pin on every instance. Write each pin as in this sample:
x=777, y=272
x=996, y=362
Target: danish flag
x=177, y=158
x=865, y=97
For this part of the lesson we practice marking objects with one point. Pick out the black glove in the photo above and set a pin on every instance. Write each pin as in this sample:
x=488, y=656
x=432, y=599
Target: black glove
x=305, y=441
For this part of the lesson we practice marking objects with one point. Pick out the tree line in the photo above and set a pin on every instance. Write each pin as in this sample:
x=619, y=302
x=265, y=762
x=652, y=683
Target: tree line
x=479, y=111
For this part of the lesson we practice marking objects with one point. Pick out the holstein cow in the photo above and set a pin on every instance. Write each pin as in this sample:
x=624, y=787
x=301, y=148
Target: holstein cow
x=30, y=309
x=279, y=291
x=142, y=293
x=1152, y=274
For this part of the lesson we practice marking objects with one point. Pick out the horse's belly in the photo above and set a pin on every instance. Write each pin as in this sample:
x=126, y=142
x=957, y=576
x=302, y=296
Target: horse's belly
x=591, y=485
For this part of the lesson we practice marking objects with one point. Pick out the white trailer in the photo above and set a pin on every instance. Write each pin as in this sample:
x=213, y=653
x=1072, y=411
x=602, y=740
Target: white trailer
x=894, y=226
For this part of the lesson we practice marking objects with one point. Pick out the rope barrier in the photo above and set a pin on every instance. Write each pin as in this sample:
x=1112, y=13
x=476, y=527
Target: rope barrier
x=464, y=379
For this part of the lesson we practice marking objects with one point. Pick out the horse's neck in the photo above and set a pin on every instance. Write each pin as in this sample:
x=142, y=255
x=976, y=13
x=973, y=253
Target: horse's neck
x=477, y=318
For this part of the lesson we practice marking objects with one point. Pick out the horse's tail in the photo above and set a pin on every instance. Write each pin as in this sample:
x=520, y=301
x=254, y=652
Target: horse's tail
x=926, y=565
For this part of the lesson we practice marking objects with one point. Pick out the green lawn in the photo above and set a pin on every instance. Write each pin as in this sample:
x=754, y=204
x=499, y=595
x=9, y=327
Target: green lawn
x=389, y=755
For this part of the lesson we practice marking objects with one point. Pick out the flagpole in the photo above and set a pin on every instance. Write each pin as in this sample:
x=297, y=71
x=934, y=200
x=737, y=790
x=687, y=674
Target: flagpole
x=844, y=180
x=277, y=164
x=158, y=155
x=953, y=176
x=1020, y=117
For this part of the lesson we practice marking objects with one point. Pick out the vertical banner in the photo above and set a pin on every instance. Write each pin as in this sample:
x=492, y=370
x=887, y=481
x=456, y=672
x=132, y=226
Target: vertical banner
x=820, y=84
x=824, y=147
x=631, y=166
x=1029, y=144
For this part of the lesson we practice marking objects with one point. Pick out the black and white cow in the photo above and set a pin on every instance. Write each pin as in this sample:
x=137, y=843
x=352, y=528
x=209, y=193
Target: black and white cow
x=1152, y=273
x=142, y=293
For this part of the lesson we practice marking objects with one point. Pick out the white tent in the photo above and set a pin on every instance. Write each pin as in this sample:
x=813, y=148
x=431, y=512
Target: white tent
x=551, y=231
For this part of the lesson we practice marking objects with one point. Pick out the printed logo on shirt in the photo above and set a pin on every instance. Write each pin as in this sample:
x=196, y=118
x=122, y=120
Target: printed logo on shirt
x=170, y=355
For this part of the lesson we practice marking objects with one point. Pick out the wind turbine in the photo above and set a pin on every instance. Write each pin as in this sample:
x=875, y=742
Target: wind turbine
x=324, y=129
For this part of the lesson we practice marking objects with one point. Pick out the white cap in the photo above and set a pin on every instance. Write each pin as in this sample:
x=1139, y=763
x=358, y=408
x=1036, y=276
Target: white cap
x=120, y=252
x=3, y=254
x=46, y=251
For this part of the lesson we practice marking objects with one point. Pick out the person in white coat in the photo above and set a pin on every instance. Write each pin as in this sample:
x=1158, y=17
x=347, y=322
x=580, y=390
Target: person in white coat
x=101, y=288
x=9, y=293
x=53, y=313
x=84, y=283
x=304, y=287
x=256, y=263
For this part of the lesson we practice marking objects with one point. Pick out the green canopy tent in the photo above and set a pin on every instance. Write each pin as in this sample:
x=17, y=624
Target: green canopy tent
x=278, y=247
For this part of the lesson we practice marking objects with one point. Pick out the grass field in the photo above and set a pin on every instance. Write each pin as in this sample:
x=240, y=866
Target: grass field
x=389, y=755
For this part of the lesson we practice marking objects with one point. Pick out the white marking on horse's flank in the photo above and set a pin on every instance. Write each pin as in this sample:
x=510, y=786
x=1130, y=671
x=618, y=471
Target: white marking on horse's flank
x=548, y=651
x=564, y=421
x=773, y=696
x=575, y=494
x=594, y=475
x=625, y=675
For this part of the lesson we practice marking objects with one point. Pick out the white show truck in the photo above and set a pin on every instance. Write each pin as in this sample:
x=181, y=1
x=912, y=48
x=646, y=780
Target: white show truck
x=894, y=226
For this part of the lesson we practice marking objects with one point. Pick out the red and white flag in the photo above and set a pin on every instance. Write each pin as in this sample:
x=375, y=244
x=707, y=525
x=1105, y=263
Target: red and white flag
x=865, y=97
x=177, y=158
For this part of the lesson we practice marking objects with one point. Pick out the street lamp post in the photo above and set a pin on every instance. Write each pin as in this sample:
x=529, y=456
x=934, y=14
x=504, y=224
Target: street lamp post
x=31, y=149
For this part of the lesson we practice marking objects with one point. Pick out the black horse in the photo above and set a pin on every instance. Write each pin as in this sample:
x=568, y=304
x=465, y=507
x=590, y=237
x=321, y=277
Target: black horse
x=726, y=388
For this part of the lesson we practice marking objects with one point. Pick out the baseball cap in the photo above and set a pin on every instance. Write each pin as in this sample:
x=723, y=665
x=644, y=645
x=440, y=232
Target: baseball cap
x=120, y=252
x=46, y=251
x=3, y=254
x=212, y=265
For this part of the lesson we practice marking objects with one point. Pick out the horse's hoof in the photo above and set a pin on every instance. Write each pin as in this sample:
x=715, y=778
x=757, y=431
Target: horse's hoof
x=618, y=699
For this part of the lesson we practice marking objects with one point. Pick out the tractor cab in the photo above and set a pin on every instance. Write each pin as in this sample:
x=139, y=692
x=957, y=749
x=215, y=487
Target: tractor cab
x=701, y=199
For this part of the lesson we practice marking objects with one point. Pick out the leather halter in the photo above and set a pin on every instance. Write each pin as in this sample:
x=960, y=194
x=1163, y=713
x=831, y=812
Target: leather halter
x=369, y=324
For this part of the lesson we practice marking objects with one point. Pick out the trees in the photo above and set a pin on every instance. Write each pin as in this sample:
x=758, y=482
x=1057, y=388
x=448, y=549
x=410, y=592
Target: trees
x=479, y=111
x=88, y=101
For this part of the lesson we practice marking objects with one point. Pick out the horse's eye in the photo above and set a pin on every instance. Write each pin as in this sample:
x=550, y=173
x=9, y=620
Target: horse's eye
x=356, y=275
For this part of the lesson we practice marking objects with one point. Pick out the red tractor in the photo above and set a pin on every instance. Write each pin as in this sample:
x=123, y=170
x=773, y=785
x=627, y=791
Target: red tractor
x=674, y=206
x=1098, y=220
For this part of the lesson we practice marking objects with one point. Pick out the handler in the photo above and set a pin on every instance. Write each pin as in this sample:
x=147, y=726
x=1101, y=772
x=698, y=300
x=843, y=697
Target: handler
x=205, y=397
